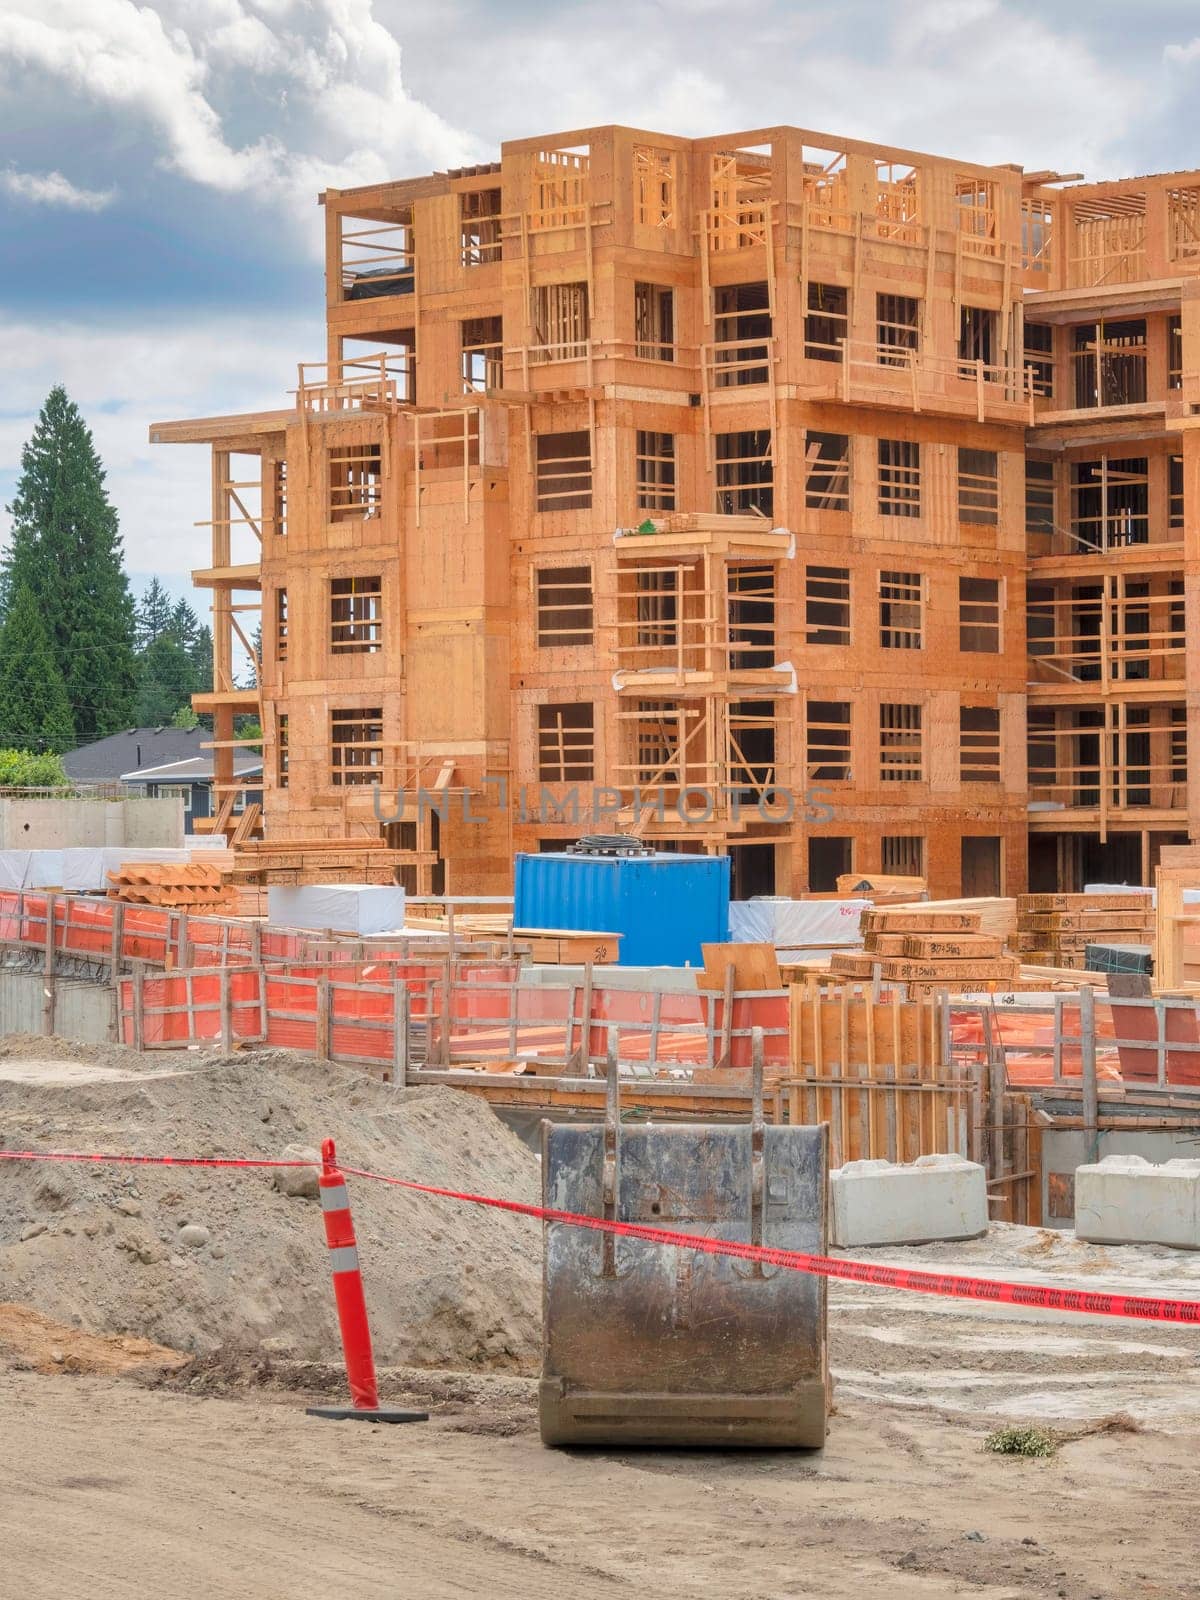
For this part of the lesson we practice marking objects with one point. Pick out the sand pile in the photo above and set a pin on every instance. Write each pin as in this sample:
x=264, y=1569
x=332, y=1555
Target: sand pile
x=202, y=1260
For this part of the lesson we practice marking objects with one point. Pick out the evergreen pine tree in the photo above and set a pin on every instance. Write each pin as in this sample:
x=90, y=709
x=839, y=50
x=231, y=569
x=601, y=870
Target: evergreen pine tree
x=184, y=624
x=201, y=654
x=167, y=679
x=66, y=551
x=154, y=614
x=34, y=710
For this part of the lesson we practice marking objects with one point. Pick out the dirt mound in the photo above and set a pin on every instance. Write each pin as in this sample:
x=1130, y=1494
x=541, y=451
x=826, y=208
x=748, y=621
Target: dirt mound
x=202, y=1260
x=33, y=1341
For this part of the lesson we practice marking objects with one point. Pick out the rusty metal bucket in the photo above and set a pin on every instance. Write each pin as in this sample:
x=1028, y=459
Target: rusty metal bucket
x=648, y=1344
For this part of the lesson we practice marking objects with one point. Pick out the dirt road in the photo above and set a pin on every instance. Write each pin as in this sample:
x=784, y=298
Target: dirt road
x=112, y=1491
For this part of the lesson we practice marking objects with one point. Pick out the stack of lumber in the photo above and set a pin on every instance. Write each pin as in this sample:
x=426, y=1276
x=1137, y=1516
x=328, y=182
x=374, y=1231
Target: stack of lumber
x=929, y=947
x=1054, y=930
x=184, y=887
x=296, y=862
x=881, y=888
x=567, y=947
x=482, y=924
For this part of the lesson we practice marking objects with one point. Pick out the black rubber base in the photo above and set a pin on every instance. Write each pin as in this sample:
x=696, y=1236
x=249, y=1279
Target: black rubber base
x=350, y=1414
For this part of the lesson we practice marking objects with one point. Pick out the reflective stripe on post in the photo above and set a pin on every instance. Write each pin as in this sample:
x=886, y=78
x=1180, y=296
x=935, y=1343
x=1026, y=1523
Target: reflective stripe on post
x=347, y=1283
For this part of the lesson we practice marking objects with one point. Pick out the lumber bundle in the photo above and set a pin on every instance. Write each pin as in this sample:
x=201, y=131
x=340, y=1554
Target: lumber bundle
x=881, y=888
x=178, y=886
x=1054, y=930
x=935, y=946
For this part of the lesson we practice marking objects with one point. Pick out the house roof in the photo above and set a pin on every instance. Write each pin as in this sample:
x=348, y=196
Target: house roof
x=110, y=760
x=196, y=769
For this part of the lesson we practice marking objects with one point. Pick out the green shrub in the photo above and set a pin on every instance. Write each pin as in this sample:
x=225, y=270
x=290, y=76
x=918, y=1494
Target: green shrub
x=1020, y=1442
x=27, y=769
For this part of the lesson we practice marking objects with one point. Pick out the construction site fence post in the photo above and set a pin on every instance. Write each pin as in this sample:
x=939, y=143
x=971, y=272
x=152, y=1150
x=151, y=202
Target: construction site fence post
x=400, y=1022
x=264, y=1020
x=48, y=969
x=226, y=1010
x=324, y=1028
x=138, y=1003
x=1091, y=1090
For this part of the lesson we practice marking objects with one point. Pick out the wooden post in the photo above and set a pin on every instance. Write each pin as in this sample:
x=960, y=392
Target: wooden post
x=116, y=949
x=400, y=1016
x=324, y=1027
x=584, y=1053
x=139, y=1014
x=114, y=1011
x=226, y=1010
x=48, y=984
x=263, y=1018
x=447, y=1000
x=723, y=1055
x=1091, y=1090
x=570, y=1054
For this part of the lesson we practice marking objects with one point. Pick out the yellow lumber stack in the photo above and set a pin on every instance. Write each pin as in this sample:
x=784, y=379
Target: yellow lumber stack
x=176, y=886
x=1054, y=930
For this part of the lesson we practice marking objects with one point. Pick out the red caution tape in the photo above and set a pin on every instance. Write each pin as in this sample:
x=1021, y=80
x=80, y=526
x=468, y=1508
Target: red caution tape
x=1037, y=1296
x=147, y=1161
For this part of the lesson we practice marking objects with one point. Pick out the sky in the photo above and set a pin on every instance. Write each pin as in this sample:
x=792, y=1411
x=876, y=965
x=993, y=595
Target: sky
x=160, y=240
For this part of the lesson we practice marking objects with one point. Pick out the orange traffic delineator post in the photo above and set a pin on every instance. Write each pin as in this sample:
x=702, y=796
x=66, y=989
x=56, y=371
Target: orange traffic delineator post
x=351, y=1306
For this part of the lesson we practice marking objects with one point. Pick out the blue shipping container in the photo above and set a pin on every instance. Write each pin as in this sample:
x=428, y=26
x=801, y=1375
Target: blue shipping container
x=664, y=906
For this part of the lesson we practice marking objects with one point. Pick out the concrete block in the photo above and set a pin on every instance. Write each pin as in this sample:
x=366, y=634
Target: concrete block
x=1129, y=1200
x=937, y=1197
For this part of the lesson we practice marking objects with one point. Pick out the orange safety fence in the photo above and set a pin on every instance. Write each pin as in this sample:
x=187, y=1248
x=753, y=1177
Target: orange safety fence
x=1028, y=1042
x=91, y=927
x=1139, y=1027
x=491, y=1014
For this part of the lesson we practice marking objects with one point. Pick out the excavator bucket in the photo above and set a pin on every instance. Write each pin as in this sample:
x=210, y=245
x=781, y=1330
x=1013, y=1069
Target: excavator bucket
x=648, y=1344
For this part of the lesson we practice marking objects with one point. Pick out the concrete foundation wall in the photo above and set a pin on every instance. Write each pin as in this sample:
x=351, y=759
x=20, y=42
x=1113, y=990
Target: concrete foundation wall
x=82, y=1011
x=49, y=824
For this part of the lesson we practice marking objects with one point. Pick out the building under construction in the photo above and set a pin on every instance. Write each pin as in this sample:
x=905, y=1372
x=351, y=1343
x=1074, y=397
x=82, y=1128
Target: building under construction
x=819, y=502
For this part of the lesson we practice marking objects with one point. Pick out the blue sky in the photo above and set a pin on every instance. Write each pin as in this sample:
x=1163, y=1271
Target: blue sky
x=159, y=163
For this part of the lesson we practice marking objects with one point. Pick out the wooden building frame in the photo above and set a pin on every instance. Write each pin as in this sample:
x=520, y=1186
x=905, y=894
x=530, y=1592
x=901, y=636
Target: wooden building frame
x=774, y=493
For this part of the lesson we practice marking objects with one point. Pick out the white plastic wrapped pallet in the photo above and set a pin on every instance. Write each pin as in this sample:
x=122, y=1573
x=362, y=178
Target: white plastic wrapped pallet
x=340, y=907
x=1190, y=896
x=793, y=924
x=86, y=870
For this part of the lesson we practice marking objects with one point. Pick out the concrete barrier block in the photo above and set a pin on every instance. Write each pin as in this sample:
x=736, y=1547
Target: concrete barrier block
x=1129, y=1200
x=936, y=1197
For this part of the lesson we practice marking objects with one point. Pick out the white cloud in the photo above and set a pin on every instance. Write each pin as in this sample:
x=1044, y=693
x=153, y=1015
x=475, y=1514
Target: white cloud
x=124, y=378
x=190, y=73
x=1182, y=54
x=987, y=80
x=52, y=189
